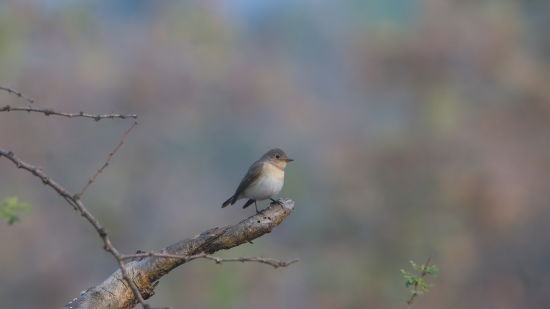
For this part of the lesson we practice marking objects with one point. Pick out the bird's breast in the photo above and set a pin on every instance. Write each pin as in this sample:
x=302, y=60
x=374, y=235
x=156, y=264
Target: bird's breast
x=267, y=185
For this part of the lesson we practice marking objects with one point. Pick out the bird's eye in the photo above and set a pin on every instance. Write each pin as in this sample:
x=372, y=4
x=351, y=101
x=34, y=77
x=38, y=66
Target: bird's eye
x=277, y=156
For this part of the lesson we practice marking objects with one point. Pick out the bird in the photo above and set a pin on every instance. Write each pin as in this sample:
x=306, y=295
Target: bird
x=264, y=179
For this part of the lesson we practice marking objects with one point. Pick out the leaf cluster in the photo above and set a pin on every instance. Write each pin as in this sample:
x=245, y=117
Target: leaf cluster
x=415, y=280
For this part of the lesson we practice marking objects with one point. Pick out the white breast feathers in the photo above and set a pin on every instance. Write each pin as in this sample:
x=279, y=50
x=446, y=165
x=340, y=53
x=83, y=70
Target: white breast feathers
x=268, y=184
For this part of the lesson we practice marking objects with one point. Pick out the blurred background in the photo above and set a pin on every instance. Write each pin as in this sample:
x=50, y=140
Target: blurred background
x=419, y=128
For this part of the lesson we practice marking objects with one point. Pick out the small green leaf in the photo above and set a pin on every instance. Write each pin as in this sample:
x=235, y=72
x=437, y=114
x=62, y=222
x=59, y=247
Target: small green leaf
x=11, y=208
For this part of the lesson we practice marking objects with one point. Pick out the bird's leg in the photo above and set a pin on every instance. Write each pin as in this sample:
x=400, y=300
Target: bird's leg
x=256, y=205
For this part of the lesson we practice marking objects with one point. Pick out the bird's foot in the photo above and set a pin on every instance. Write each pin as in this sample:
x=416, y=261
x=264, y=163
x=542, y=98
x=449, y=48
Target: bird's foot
x=276, y=202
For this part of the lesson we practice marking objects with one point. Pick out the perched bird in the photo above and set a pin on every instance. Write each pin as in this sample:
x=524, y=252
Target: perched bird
x=263, y=180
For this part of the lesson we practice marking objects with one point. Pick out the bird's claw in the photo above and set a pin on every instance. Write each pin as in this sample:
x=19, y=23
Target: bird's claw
x=276, y=202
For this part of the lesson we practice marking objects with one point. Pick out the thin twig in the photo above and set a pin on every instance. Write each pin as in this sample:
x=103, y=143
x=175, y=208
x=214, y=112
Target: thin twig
x=268, y=261
x=17, y=93
x=49, y=111
x=109, y=157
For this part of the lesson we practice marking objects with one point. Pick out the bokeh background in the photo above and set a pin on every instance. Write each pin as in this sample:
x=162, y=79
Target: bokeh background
x=419, y=128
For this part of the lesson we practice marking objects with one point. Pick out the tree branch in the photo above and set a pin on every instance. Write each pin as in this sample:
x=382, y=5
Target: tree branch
x=48, y=111
x=268, y=261
x=74, y=200
x=149, y=269
x=77, y=204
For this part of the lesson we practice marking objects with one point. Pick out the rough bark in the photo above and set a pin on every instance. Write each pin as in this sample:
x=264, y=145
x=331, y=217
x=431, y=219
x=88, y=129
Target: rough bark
x=146, y=272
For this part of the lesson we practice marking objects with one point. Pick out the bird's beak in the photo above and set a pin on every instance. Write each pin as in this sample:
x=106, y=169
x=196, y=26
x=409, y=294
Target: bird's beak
x=289, y=160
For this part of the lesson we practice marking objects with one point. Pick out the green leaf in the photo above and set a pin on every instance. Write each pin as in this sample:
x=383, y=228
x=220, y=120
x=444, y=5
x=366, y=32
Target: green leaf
x=11, y=208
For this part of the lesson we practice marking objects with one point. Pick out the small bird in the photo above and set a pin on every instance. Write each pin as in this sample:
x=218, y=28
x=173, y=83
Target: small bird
x=264, y=179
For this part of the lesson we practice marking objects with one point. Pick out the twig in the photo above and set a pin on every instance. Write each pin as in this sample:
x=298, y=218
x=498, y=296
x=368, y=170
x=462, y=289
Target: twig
x=18, y=94
x=415, y=286
x=109, y=157
x=268, y=261
x=48, y=112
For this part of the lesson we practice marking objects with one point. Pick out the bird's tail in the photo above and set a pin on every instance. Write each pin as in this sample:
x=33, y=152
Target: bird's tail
x=229, y=201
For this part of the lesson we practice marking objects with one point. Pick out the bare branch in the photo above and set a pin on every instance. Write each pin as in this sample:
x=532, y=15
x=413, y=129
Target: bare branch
x=48, y=112
x=109, y=157
x=77, y=204
x=18, y=94
x=147, y=271
x=268, y=261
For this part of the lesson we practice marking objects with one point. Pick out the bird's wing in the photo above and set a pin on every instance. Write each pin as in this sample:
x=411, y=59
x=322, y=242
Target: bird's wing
x=251, y=176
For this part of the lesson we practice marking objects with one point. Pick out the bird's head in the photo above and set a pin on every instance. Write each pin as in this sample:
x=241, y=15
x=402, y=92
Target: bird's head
x=278, y=157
